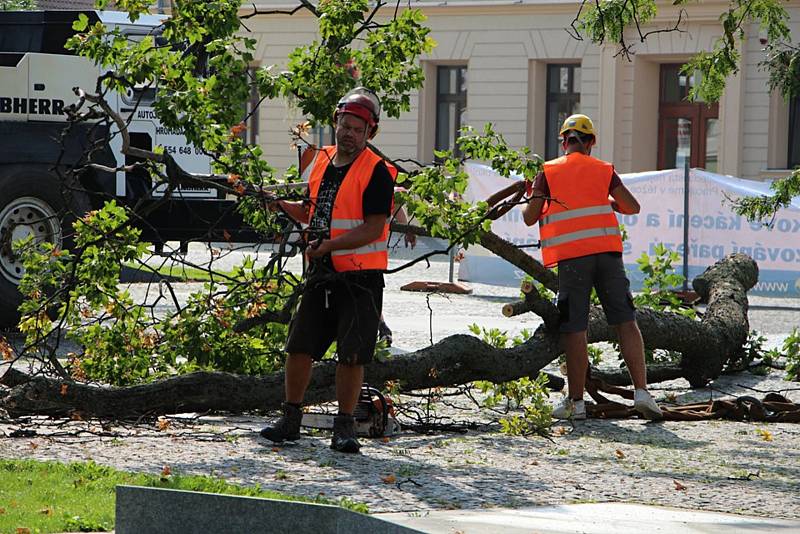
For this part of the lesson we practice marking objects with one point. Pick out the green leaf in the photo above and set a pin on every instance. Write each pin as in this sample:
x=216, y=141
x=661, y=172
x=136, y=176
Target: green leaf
x=81, y=24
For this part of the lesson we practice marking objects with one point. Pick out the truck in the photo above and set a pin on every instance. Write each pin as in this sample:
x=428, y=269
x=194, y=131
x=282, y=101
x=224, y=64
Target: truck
x=37, y=148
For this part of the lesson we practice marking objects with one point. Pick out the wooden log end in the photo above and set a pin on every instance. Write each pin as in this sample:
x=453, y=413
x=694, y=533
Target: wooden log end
x=508, y=310
x=527, y=286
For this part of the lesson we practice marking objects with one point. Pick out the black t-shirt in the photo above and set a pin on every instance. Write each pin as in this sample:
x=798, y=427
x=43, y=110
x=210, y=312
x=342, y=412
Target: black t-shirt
x=376, y=200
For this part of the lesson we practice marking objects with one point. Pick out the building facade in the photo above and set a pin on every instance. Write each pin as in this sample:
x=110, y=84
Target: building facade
x=64, y=4
x=514, y=64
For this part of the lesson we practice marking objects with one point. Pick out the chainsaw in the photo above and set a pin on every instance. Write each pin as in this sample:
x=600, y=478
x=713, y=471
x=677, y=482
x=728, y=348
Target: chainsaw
x=374, y=415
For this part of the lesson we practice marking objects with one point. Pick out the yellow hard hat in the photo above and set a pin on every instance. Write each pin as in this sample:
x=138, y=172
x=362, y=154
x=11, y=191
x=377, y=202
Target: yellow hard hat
x=579, y=123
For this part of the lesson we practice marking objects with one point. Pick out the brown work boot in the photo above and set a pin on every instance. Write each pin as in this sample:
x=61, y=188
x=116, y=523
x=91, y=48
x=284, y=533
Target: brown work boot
x=288, y=426
x=344, y=434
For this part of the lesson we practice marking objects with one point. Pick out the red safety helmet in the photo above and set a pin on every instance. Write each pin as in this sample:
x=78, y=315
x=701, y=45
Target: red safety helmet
x=364, y=104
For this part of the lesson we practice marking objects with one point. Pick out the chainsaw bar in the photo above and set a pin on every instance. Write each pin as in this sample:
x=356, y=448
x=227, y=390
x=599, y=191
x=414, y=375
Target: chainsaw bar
x=366, y=428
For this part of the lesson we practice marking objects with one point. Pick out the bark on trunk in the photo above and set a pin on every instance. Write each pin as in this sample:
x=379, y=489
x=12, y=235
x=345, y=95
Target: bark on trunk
x=705, y=346
x=455, y=360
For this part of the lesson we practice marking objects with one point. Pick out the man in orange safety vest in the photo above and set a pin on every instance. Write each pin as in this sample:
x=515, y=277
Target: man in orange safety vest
x=579, y=233
x=349, y=203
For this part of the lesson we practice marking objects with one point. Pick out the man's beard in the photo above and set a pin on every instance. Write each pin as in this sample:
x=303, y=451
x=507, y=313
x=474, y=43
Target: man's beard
x=349, y=147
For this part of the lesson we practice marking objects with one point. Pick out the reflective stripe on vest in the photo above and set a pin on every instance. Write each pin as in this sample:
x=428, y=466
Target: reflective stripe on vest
x=580, y=212
x=348, y=211
x=346, y=224
x=366, y=249
x=581, y=234
x=582, y=222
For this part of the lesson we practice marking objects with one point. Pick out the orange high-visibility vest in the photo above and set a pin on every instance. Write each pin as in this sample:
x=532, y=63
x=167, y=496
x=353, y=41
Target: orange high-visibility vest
x=579, y=221
x=348, y=211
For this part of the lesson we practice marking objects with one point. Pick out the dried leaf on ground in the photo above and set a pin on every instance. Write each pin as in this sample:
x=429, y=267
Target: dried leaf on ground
x=765, y=434
x=389, y=479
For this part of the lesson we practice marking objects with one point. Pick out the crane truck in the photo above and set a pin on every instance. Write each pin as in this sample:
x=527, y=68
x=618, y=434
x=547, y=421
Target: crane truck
x=38, y=146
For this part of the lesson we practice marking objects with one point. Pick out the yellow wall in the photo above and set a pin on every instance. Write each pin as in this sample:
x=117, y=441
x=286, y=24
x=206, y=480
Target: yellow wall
x=506, y=46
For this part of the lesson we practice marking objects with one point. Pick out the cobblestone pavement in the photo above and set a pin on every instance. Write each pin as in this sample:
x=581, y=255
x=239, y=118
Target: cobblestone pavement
x=715, y=466
x=743, y=468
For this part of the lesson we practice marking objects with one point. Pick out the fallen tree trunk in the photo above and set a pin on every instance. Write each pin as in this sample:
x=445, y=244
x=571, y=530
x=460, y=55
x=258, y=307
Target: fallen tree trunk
x=705, y=346
x=655, y=373
x=455, y=360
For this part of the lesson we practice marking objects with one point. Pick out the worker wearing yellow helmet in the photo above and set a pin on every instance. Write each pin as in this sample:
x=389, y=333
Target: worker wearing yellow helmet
x=580, y=233
x=578, y=123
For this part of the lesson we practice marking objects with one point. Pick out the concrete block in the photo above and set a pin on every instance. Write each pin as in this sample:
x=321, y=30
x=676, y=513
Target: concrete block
x=164, y=511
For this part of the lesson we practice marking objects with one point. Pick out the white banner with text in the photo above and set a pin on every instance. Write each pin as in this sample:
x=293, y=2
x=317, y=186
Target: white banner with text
x=714, y=229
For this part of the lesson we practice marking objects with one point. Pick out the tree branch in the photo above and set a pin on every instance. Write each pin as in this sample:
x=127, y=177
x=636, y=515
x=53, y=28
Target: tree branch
x=304, y=4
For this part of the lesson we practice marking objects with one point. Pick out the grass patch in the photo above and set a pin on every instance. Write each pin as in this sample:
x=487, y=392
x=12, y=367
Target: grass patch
x=79, y=497
x=182, y=273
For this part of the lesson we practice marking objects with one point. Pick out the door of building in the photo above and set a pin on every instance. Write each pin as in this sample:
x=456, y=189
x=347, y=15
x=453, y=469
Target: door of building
x=686, y=130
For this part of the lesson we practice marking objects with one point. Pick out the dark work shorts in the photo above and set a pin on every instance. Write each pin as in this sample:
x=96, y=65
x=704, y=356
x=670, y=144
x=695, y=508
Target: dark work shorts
x=606, y=273
x=345, y=311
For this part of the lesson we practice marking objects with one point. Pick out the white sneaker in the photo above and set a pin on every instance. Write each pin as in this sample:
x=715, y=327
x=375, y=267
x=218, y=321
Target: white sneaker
x=644, y=403
x=570, y=409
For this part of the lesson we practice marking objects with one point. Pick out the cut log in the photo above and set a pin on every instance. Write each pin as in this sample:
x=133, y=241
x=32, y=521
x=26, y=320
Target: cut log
x=526, y=286
x=705, y=346
x=533, y=302
x=516, y=308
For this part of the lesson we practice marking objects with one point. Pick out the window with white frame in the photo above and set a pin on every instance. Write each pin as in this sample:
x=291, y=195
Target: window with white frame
x=251, y=111
x=451, y=105
x=563, y=100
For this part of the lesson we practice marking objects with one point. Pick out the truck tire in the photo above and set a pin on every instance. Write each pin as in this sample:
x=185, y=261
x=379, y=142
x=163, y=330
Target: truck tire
x=33, y=201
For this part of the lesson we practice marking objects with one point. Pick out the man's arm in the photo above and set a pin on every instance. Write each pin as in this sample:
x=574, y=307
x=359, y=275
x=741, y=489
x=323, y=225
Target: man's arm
x=534, y=208
x=624, y=202
x=504, y=193
x=535, y=205
x=297, y=210
x=517, y=189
